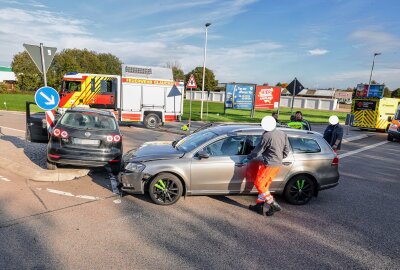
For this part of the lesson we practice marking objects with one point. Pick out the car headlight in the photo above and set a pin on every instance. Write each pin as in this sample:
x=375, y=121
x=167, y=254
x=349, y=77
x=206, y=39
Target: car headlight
x=135, y=167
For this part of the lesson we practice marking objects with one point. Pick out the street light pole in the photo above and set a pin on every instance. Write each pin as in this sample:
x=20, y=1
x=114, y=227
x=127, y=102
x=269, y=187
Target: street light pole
x=204, y=72
x=372, y=68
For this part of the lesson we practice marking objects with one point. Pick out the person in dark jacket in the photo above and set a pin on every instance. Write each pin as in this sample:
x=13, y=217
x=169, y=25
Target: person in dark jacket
x=333, y=133
x=273, y=147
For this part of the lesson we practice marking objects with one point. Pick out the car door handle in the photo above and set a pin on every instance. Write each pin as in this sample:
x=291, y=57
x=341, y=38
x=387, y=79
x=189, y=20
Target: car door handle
x=239, y=164
x=287, y=163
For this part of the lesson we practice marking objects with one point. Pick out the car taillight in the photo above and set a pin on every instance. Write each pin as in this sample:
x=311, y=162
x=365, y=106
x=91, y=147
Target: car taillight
x=57, y=132
x=114, y=138
x=64, y=134
x=117, y=138
x=335, y=161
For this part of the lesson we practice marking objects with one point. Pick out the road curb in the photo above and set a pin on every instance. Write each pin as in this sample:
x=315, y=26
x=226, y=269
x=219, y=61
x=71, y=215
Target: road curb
x=39, y=174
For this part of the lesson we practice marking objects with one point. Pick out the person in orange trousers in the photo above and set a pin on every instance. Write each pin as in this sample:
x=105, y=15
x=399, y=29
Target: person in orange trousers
x=273, y=147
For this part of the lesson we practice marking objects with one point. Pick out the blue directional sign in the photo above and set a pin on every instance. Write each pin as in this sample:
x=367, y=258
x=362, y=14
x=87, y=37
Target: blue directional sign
x=47, y=98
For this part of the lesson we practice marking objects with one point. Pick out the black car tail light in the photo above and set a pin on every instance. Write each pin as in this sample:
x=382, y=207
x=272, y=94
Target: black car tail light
x=59, y=133
x=114, y=138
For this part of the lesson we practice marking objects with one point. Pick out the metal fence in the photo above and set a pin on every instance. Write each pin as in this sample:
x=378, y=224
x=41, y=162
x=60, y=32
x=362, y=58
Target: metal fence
x=286, y=101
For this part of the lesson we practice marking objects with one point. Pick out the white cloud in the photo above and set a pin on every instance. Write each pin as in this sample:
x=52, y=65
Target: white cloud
x=318, y=52
x=389, y=76
x=376, y=41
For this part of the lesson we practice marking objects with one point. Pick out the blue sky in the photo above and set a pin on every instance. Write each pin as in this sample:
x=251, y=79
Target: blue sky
x=324, y=43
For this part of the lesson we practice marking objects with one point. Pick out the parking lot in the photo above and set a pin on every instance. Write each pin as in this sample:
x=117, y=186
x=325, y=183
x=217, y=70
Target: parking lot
x=82, y=224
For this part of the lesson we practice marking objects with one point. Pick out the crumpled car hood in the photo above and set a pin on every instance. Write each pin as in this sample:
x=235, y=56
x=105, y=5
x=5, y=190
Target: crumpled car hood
x=153, y=151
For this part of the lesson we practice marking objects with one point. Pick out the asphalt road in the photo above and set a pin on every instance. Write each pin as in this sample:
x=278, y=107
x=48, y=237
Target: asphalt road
x=81, y=224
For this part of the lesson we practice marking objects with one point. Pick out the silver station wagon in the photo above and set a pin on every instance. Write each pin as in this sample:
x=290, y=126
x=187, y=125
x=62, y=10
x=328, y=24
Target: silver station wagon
x=210, y=162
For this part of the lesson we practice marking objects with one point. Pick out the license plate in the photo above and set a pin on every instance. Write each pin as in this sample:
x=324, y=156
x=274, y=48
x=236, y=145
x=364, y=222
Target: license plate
x=86, y=141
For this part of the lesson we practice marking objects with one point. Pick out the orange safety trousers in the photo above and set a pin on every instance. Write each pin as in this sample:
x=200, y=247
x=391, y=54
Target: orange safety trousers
x=264, y=178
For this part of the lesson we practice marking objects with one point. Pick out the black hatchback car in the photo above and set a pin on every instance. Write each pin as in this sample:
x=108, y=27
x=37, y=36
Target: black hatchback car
x=85, y=137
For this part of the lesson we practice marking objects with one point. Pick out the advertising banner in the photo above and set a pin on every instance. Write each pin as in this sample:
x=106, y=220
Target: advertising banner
x=239, y=96
x=375, y=90
x=267, y=97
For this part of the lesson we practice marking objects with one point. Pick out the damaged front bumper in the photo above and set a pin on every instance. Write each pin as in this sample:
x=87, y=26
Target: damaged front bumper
x=133, y=182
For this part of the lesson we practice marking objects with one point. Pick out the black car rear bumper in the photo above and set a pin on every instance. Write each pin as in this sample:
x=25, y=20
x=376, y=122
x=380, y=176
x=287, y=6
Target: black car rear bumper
x=83, y=157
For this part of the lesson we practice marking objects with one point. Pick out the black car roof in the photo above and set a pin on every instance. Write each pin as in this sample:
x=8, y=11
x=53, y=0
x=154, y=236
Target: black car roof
x=80, y=109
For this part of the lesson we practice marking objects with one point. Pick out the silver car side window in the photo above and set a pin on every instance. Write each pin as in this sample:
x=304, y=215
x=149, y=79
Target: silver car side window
x=230, y=146
x=304, y=145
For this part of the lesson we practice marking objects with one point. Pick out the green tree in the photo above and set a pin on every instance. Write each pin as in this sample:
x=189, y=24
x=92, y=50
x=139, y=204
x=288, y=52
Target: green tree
x=68, y=60
x=387, y=92
x=28, y=76
x=210, y=81
x=396, y=93
x=177, y=71
x=112, y=64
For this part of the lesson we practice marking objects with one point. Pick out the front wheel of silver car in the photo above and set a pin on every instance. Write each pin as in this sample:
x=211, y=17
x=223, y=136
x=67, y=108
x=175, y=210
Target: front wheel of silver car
x=165, y=189
x=299, y=190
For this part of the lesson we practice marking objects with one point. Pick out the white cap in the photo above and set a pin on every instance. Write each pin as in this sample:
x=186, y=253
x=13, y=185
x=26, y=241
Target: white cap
x=333, y=120
x=268, y=123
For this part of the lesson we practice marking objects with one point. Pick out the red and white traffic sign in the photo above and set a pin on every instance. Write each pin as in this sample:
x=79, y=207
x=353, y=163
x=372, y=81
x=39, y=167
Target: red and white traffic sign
x=192, y=82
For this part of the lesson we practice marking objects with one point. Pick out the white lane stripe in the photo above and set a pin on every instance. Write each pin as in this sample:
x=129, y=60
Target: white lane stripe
x=354, y=138
x=19, y=130
x=59, y=192
x=350, y=153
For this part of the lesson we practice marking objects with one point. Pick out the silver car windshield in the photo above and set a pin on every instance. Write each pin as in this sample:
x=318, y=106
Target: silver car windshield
x=195, y=140
x=88, y=120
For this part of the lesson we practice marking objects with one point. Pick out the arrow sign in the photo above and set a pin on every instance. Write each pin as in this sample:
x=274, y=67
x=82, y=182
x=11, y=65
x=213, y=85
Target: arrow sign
x=47, y=98
x=192, y=82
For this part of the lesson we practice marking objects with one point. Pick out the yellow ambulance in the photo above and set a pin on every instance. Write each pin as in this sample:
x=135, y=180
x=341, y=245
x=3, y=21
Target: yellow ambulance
x=373, y=113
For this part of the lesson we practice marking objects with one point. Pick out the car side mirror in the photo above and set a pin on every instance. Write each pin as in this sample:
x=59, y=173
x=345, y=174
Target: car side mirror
x=389, y=119
x=203, y=154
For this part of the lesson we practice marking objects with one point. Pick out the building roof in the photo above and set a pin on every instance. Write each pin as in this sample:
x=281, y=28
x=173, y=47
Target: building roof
x=6, y=69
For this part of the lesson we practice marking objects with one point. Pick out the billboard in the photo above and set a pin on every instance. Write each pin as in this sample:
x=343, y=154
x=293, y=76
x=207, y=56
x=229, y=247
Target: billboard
x=375, y=90
x=267, y=97
x=239, y=96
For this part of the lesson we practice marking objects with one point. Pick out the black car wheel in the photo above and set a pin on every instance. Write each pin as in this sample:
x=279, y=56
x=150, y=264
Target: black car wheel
x=165, y=189
x=299, y=190
x=152, y=120
x=390, y=138
x=51, y=165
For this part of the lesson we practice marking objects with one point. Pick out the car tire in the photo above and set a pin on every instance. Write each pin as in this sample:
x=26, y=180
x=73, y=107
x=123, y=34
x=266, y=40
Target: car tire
x=390, y=138
x=299, y=190
x=51, y=165
x=152, y=120
x=165, y=189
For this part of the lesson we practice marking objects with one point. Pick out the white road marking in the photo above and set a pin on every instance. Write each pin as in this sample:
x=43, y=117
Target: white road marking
x=354, y=138
x=4, y=179
x=59, y=192
x=350, y=153
x=19, y=130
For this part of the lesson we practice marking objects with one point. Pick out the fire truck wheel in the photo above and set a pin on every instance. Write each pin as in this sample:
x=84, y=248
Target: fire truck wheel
x=152, y=120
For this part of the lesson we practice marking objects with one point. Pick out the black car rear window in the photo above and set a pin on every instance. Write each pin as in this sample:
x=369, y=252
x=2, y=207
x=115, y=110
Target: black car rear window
x=88, y=120
x=304, y=145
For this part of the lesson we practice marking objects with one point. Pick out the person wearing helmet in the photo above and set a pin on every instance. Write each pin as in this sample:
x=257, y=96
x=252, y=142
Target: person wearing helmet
x=333, y=133
x=273, y=147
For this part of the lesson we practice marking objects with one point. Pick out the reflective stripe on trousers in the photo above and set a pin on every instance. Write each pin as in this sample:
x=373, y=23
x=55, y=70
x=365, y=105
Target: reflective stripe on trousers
x=265, y=176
